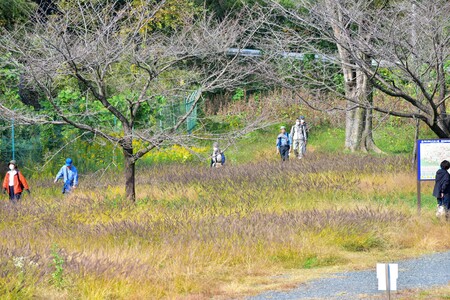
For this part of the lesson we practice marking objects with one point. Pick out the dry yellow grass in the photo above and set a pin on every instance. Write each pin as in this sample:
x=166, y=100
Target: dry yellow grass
x=201, y=234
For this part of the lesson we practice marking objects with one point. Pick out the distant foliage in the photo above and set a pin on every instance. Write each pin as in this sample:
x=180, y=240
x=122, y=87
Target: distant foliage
x=175, y=154
x=238, y=95
x=15, y=12
x=172, y=15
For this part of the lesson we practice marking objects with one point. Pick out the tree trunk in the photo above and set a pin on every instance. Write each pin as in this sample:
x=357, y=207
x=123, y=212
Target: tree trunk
x=129, y=169
x=350, y=93
x=130, y=190
x=357, y=129
x=358, y=120
x=365, y=90
x=442, y=132
x=349, y=122
x=338, y=23
x=443, y=119
x=367, y=143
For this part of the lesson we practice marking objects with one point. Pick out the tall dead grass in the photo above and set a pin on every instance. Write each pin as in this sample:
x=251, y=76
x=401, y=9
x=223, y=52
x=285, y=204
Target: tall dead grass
x=198, y=233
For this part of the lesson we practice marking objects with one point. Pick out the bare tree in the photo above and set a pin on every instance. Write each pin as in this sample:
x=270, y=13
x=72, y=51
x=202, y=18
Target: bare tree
x=124, y=67
x=398, y=48
x=410, y=50
x=358, y=127
x=315, y=35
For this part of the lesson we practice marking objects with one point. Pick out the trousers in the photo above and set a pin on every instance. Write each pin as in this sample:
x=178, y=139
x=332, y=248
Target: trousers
x=284, y=152
x=299, y=148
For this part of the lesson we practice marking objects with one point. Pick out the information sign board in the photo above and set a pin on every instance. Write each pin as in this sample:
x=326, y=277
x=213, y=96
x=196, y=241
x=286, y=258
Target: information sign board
x=430, y=155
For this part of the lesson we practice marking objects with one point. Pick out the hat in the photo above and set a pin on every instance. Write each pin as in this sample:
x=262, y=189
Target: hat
x=282, y=127
x=301, y=117
x=68, y=162
x=13, y=162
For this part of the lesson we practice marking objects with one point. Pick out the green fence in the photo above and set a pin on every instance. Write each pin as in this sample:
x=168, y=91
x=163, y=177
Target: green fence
x=171, y=114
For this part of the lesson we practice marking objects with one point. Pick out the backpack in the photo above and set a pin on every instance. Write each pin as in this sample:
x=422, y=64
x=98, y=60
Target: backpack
x=20, y=182
x=219, y=158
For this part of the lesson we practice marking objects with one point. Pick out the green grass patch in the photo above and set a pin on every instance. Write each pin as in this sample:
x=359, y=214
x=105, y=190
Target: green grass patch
x=297, y=259
x=327, y=139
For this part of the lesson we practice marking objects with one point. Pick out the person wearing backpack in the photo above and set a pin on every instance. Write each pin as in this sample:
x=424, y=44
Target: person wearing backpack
x=283, y=144
x=14, y=183
x=217, y=157
x=299, y=136
x=442, y=189
x=69, y=174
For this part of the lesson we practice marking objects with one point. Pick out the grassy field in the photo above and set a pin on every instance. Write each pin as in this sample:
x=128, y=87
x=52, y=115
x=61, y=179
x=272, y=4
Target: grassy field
x=198, y=233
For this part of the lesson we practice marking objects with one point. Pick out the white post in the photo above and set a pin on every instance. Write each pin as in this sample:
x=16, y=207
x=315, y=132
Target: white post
x=388, y=282
x=387, y=275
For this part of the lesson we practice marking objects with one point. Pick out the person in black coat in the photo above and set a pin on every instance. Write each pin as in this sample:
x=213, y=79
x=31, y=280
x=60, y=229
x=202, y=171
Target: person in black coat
x=442, y=188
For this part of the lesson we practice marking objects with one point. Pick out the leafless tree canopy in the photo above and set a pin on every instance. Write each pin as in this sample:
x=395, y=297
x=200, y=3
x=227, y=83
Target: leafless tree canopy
x=400, y=48
x=121, y=64
x=123, y=67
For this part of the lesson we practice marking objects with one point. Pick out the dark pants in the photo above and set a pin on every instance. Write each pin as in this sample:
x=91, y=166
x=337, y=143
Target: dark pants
x=67, y=187
x=284, y=153
x=439, y=201
x=446, y=205
x=14, y=198
x=216, y=164
x=446, y=202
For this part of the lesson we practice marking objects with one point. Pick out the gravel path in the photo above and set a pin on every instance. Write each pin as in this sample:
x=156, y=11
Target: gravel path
x=422, y=273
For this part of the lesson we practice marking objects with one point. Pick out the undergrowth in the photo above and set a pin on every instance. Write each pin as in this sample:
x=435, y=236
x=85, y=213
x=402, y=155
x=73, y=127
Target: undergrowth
x=198, y=233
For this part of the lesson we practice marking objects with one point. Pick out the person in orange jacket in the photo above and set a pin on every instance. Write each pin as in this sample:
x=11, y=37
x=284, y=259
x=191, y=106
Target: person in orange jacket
x=14, y=183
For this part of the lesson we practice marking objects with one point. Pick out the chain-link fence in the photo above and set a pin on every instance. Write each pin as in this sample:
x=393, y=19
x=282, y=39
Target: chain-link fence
x=22, y=150
x=171, y=114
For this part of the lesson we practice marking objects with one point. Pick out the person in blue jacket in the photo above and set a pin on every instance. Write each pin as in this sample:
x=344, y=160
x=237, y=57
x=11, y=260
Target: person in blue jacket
x=283, y=144
x=70, y=175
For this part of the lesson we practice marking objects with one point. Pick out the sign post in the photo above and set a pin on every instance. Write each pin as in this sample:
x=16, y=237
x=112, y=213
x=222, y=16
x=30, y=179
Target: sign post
x=419, y=198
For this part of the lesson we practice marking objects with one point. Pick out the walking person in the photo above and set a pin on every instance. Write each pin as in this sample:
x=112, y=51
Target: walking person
x=283, y=144
x=217, y=157
x=14, y=183
x=442, y=189
x=299, y=136
x=70, y=176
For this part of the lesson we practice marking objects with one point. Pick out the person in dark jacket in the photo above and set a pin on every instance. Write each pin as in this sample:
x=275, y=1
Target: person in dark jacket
x=442, y=189
x=14, y=183
x=283, y=144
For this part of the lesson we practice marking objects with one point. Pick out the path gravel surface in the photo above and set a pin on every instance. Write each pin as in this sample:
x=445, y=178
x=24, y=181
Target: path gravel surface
x=421, y=273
